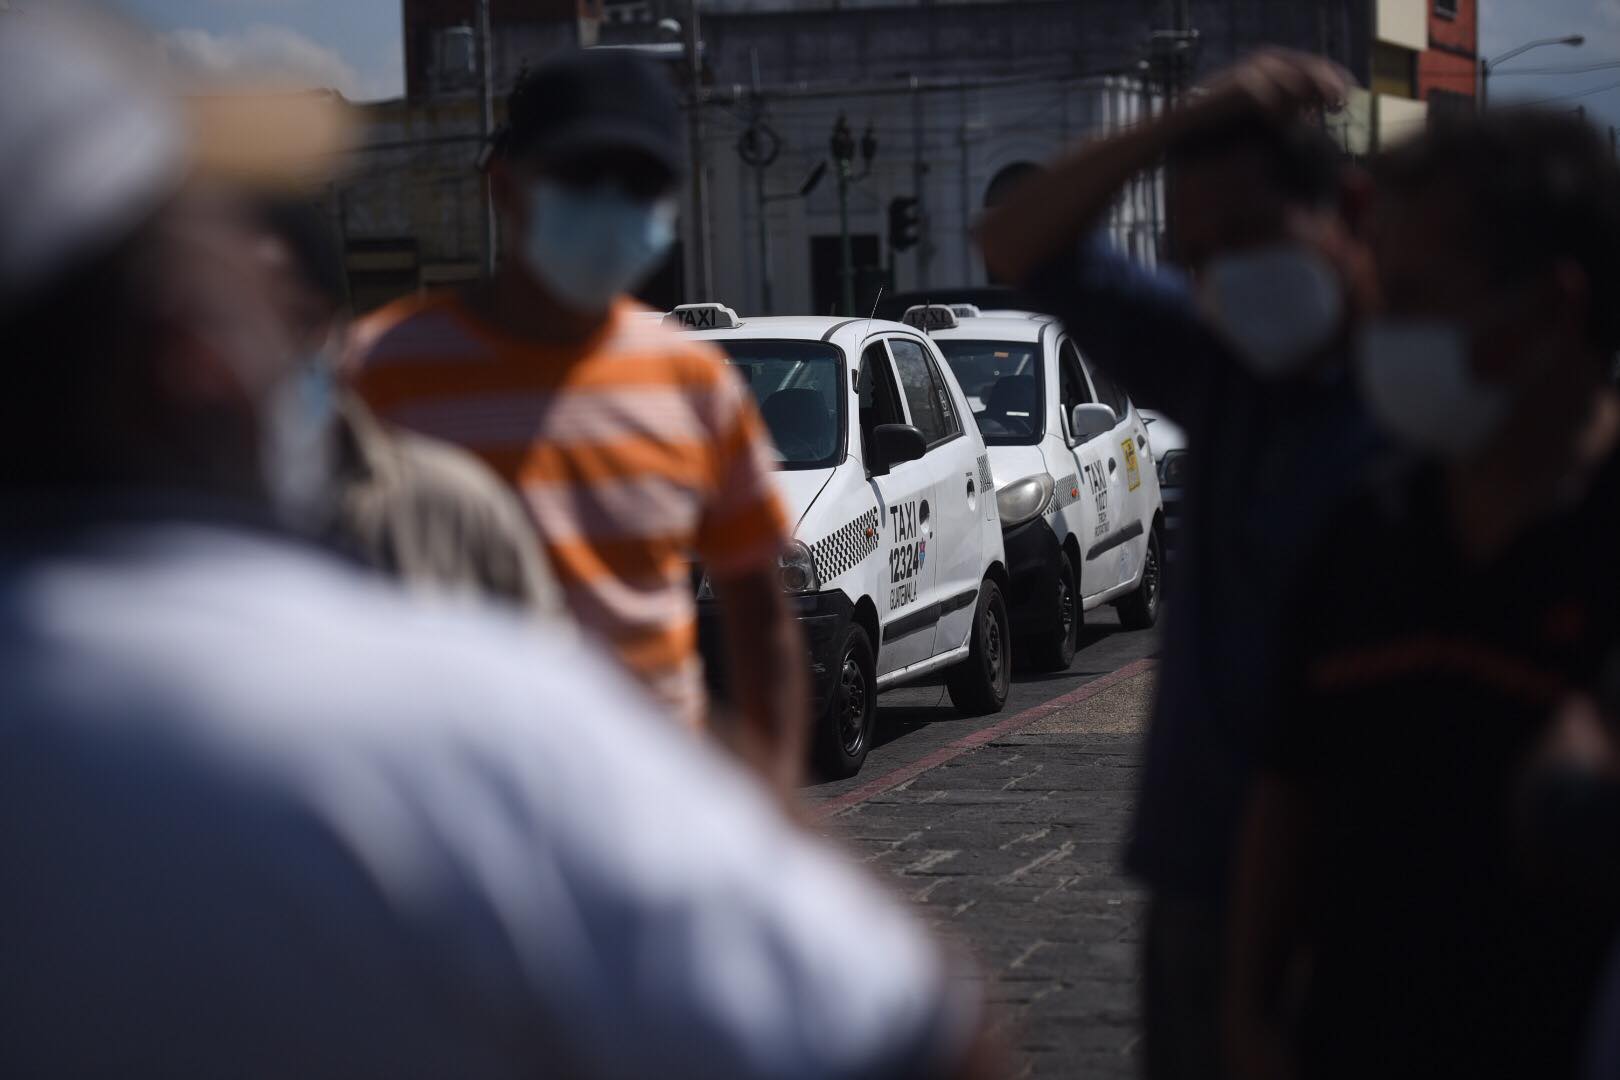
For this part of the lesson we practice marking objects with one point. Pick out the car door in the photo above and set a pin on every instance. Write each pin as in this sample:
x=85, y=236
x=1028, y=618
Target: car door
x=956, y=546
x=1090, y=513
x=1121, y=547
x=904, y=591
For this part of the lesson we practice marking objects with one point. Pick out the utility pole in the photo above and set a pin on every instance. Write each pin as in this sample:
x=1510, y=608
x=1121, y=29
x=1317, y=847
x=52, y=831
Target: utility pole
x=758, y=147
x=919, y=187
x=487, y=127
x=702, y=287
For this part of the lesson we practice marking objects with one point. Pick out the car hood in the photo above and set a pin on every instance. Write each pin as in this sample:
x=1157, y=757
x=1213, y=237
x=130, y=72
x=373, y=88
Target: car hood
x=798, y=489
x=1010, y=463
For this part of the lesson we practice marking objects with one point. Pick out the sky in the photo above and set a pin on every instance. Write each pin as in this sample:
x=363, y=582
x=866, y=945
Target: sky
x=354, y=45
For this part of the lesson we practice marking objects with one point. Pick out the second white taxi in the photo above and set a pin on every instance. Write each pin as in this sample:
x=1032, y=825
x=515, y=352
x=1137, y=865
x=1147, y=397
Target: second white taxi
x=1078, y=496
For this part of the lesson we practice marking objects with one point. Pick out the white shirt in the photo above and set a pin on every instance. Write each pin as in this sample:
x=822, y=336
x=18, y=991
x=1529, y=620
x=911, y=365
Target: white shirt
x=262, y=816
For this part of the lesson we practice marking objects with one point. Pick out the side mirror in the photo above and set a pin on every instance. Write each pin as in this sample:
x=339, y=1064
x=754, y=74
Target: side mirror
x=1089, y=421
x=893, y=444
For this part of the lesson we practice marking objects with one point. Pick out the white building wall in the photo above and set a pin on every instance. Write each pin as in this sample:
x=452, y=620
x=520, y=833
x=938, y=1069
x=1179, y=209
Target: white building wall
x=963, y=136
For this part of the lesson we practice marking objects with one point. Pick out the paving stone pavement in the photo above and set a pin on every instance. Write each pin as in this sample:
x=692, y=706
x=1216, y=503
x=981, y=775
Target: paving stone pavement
x=1013, y=849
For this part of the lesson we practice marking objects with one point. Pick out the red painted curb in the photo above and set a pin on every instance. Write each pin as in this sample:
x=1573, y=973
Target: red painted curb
x=890, y=780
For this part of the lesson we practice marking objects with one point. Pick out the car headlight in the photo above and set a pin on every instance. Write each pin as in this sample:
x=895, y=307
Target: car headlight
x=798, y=569
x=1024, y=499
x=1173, y=468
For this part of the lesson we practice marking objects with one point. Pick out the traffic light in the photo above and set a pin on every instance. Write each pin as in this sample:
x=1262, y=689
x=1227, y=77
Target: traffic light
x=903, y=223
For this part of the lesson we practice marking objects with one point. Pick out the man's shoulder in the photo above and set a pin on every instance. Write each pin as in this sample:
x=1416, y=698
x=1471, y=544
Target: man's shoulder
x=442, y=473
x=424, y=328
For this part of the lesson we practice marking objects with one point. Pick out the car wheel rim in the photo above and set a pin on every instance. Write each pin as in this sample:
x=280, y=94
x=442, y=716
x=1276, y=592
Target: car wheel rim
x=1066, y=607
x=852, y=719
x=1150, y=575
x=993, y=659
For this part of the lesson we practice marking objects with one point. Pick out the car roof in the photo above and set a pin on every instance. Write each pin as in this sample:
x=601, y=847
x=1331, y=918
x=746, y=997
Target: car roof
x=839, y=330
x=1021, y=330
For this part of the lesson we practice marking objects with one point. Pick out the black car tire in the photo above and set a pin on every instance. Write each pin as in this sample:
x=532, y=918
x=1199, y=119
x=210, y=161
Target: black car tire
x=978, y=685
x=1054, y=650
x=844, y=732
x=1140, y=610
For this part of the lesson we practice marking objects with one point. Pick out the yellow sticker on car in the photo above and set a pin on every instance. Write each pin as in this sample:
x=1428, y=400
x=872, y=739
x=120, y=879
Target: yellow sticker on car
x=1133, y=475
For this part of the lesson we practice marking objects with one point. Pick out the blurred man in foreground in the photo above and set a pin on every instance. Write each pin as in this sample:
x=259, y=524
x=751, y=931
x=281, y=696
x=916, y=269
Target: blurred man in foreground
x=635, y=449
x=417, y=509
x=1391, y=918
x=1248, y=356
x=261, y=814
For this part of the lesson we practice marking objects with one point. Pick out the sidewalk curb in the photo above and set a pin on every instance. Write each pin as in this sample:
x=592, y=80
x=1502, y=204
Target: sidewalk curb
x=1012, y=725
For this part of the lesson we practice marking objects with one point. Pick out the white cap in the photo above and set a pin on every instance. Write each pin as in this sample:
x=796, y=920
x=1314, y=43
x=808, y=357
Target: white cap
x=88, y=148
x=93, y=140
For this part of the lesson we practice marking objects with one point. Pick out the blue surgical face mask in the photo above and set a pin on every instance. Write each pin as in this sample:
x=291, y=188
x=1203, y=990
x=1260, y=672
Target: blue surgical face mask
x=590, y=246
x=300, y=442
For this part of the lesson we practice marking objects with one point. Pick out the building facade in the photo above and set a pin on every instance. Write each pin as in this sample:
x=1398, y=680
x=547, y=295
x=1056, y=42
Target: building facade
x=958, y=98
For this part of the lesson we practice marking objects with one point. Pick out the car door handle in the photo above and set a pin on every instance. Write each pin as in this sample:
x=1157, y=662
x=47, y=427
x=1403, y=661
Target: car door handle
x=970, y=488
x=1113, y=466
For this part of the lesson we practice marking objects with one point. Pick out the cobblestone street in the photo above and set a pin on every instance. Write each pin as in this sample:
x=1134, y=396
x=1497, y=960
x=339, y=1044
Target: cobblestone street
x=1012, y=847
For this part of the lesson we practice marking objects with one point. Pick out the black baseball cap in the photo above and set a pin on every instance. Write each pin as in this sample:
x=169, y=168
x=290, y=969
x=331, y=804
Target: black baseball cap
x=589, y=101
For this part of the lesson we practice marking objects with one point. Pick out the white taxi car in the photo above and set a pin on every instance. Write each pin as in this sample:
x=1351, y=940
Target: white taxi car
x=1078, y=496
x=896, y=565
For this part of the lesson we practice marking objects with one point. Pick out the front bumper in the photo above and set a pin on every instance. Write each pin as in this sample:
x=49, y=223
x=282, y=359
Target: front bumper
x=1033, y=552
x=822, y=618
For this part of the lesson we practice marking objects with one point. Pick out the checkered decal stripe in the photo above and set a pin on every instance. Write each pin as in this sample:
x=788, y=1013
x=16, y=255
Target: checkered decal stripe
x=843, y=549
x=1062, y=498
x=986, y=482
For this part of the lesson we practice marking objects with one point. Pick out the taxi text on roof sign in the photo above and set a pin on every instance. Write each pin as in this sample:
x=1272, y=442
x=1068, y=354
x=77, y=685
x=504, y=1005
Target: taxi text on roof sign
x=703, y=317
x=930, y=317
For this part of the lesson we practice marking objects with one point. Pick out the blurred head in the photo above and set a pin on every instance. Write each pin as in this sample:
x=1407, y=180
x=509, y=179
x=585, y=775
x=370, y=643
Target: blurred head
x=302, y=255
x=585, y=173
x=1260, y=222
x=140, y=321
x=1497, y=244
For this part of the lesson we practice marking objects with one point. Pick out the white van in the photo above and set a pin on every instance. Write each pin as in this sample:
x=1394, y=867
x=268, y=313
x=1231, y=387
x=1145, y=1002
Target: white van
x=896, y=565
x=1076, y=487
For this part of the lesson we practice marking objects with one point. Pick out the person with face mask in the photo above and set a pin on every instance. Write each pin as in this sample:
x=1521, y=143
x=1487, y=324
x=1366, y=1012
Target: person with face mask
x=634, y=449
x=1245, y=346
x=263, y=813
x=419, y=510
x=1411, y=899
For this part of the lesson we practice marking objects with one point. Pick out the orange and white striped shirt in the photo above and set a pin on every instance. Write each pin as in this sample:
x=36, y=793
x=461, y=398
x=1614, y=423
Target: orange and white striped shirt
x=635, y=453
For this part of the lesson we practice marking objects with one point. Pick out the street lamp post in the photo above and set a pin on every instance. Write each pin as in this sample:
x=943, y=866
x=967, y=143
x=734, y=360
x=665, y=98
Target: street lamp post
x=1487, y=66
x=842, y=146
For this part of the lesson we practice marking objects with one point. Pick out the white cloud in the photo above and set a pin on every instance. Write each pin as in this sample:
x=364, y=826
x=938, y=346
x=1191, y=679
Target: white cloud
x=262, y=50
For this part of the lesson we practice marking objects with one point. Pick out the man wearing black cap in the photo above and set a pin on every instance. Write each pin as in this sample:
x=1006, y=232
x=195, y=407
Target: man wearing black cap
x=635, y=451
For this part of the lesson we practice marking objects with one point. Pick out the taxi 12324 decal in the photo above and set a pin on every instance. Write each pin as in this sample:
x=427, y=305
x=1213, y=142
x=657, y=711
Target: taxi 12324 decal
x=907, y=556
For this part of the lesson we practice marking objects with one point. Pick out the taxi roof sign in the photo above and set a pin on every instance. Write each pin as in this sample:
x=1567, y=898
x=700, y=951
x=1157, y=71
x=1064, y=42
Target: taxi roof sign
x=965, y=311
x=702, y=317
x=930, y=317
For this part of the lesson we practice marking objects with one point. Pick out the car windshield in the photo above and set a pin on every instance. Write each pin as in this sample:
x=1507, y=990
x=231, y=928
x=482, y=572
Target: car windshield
x=799, y=387
x=1002, y=381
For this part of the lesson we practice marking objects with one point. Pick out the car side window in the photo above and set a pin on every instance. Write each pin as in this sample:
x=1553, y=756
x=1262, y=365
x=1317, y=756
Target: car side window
x=879, y=402
x=1109, y=393
x=1072, y=379
x=925, y=392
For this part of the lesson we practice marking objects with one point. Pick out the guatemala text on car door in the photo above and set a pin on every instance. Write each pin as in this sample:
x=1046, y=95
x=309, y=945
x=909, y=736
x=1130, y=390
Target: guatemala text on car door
x=956, y=547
